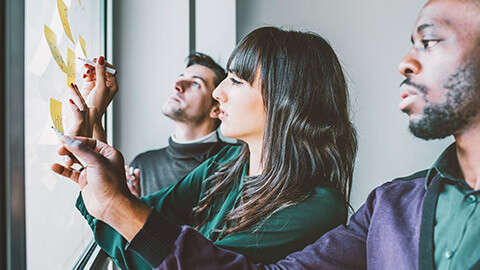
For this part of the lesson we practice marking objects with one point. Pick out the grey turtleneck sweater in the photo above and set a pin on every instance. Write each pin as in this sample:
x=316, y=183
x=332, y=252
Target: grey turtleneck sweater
x=163, y=167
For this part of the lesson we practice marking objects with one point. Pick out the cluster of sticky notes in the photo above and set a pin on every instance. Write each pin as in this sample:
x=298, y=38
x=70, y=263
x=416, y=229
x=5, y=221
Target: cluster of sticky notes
x=51, y=38
x=69, y=68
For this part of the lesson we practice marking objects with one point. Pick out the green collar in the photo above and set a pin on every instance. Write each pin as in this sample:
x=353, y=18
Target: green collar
x=447, y=166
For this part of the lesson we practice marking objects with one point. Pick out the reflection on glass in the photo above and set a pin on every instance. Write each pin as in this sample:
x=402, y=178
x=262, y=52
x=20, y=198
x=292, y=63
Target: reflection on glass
x=56, y=233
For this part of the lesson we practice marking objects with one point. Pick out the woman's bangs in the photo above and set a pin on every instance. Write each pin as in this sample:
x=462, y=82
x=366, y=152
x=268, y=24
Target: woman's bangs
x=244, y=62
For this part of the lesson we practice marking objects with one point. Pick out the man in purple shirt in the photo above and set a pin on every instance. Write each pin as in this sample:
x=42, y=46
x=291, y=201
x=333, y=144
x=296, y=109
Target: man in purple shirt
x=425, y=221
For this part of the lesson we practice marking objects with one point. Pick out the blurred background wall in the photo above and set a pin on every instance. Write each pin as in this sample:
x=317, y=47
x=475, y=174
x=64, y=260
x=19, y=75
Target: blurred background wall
x=151, y=41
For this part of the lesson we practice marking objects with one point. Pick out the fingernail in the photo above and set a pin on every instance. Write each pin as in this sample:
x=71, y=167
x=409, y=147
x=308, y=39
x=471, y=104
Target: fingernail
x=101, y=60
x=71, y=84
x=84, y=76
x=71, y=101
x=88, y=71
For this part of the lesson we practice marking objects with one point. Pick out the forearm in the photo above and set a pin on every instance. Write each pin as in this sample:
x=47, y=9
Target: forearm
x=127, y=215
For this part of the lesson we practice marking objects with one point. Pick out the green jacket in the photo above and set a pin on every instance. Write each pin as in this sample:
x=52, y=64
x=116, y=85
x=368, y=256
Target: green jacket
x=288, y=230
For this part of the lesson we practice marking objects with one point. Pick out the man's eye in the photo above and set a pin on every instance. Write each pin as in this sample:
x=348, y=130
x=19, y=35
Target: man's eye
x=196, y=85
x=428, y=43
x=235, y=82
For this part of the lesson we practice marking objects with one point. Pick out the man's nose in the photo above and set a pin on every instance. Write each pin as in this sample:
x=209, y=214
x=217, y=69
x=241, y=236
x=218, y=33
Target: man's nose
x=181, y=85
x=409, y=65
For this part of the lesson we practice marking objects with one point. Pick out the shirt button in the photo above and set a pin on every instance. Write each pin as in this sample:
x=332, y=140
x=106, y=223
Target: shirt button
x=448, y=254
x=471, y=198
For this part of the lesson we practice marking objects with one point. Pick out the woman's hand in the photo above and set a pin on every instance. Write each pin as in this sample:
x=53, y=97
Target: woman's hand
x=85, y=117
x=99, y=87
x=103, y=184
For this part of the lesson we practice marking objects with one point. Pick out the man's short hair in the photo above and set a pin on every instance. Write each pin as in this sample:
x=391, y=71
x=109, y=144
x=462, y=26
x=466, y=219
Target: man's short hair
x=197, y=58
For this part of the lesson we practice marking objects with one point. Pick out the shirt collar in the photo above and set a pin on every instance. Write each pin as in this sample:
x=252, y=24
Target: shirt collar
x=209, y=138
x=446, y=166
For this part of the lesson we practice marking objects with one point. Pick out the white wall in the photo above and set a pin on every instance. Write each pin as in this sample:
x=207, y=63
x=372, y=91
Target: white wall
x=370, y=37
x=150, y=43
x=215, y=28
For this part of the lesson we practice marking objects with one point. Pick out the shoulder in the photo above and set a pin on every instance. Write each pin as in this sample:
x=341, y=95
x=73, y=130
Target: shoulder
x=151, y=155
x=406, y=183
x=398, y=195
x=227, y=154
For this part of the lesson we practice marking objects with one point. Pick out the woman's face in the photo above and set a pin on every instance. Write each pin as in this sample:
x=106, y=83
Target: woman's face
x=241, y=108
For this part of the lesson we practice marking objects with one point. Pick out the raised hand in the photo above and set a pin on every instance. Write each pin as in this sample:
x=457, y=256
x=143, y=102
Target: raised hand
x=99, y=87
x=84, y=117
x=103, y=184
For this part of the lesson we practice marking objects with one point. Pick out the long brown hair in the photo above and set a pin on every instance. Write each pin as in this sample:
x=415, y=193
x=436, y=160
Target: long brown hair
x=309, y=139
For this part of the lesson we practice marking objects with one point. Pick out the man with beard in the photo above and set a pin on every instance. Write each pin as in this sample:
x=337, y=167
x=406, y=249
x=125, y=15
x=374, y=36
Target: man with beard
x=429, y=220
x=195, y=137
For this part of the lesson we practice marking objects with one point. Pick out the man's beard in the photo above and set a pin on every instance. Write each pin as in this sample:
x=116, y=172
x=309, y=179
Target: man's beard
x=179, y=115
x=461, y=105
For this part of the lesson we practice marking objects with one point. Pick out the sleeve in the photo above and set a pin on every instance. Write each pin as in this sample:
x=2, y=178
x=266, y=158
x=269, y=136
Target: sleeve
x=342, y=248
x=174, y=202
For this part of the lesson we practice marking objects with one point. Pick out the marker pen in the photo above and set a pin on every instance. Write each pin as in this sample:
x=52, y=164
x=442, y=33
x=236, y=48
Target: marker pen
x=90, y=62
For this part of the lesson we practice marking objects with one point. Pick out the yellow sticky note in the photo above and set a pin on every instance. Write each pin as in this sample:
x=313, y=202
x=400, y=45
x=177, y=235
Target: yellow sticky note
x=56, y=113
x=70, y=67
x=82, y=44
x=63, y=11
x=52, y=43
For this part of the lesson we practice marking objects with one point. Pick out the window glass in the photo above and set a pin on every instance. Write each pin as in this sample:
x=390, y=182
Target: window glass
x=56, y=233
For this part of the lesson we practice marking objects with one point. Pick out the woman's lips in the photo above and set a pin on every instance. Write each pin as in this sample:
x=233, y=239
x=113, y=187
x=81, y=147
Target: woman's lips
x=222, y=114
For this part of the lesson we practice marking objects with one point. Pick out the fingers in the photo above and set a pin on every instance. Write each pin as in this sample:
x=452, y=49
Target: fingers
x=66, y=172
x=100, y=70
x=77, y=114
x=92, y=151
x=133, y=180
x=85, y=148
x=79, y=95
x=69, y=158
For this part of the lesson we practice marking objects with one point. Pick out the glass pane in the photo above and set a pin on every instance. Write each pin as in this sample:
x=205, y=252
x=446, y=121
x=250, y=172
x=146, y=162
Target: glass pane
x=57, y=234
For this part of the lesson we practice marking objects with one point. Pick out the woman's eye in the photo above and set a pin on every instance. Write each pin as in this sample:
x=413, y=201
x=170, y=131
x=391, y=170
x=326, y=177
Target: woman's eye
x=235, y=82
x=428, y=43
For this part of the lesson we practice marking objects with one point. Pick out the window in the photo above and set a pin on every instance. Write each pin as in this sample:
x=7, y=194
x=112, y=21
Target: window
x=42, y=228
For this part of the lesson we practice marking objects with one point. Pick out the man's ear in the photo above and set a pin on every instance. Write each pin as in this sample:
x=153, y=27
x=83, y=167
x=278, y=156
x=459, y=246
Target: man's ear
x=215, y=111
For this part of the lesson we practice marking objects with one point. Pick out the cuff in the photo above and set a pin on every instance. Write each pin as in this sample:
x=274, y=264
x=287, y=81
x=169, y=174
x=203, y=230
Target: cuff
x=155, y=240
x=83, y=210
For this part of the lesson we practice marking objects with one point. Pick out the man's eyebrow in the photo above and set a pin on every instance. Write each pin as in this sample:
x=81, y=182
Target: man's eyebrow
x=420, y=29
x=423, y=26
x=200, y=78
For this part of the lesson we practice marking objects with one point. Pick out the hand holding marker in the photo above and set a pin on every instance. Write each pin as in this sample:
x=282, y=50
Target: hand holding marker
x=90, y=62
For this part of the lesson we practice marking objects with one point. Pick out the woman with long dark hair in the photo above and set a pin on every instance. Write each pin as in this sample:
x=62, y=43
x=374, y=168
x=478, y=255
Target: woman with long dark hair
x=286, y=98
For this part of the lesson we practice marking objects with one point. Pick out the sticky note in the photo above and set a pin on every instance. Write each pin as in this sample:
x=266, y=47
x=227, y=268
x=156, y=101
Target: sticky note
x=70, y=67
x=56, y=113
x=63, y=11
x=52, y=43
x=82, y=44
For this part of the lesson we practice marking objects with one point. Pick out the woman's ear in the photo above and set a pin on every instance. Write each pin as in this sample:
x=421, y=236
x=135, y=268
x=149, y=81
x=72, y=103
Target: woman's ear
x=215, y=110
